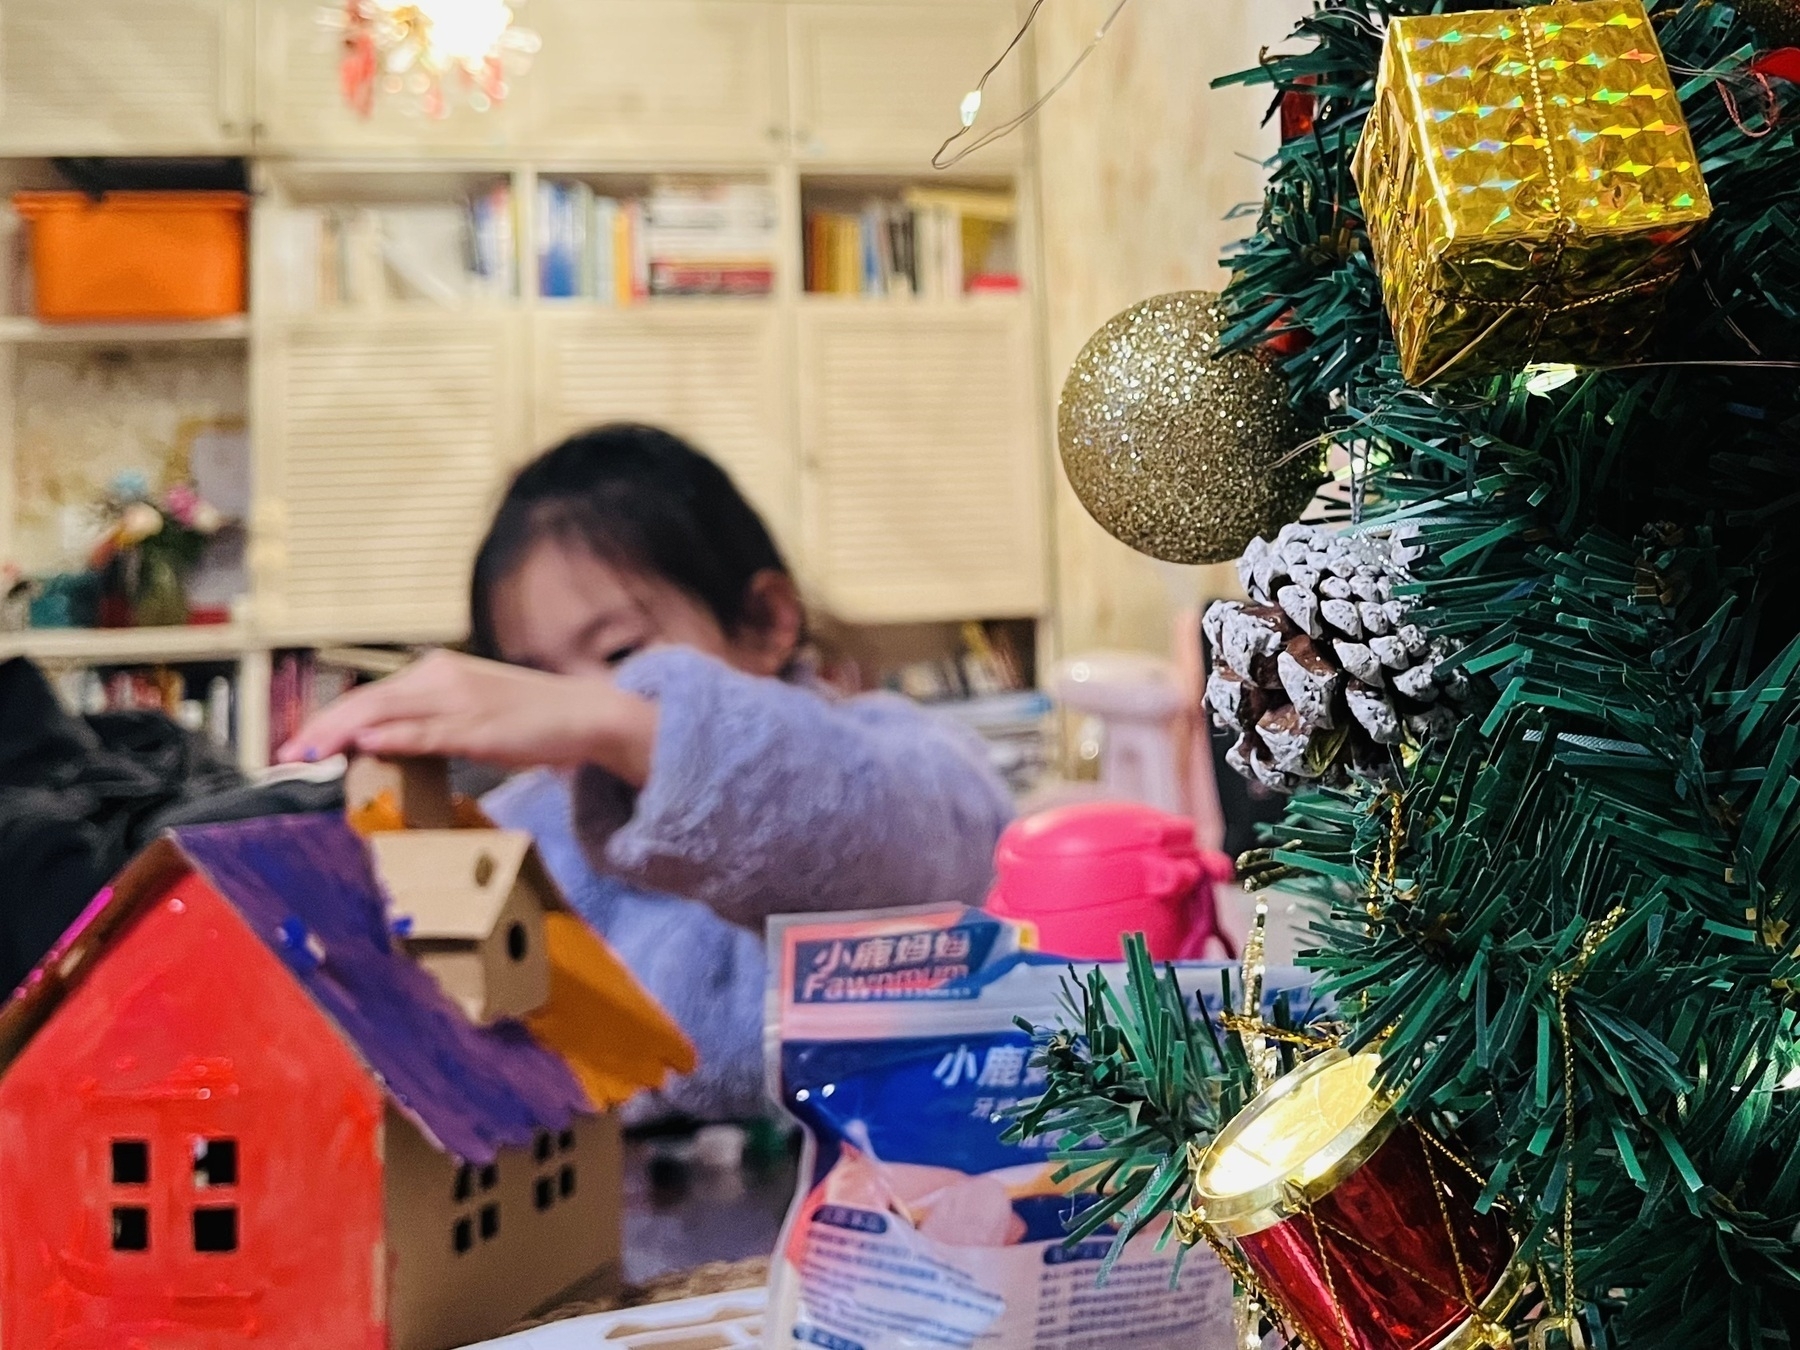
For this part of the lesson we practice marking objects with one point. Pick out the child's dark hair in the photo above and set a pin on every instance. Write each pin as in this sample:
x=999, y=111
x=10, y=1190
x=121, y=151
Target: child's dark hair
x=636, y=497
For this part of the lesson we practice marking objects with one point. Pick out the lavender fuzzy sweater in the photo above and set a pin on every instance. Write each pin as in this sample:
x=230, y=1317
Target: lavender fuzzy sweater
x=763, y=798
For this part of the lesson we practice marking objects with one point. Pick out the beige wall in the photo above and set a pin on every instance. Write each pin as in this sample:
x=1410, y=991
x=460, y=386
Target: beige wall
x=1139, y=163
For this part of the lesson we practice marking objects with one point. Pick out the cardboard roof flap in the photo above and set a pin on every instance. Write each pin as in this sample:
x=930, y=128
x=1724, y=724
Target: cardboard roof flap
x=453, y=883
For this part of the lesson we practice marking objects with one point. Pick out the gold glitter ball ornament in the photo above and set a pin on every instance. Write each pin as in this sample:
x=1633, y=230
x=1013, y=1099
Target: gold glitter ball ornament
x=1176, y=449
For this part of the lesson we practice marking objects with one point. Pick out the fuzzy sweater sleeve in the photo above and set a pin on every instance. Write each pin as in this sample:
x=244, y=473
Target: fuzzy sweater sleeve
x=767, y=798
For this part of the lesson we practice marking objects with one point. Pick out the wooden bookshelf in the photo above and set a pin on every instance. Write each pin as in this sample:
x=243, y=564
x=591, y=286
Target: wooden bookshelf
x=127, y=646
x=18, y=329
x=898, y=446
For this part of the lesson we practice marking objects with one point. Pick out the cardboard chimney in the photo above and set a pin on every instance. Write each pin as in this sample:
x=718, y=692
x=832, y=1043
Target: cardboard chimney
x=469, y=907
x=395, y=794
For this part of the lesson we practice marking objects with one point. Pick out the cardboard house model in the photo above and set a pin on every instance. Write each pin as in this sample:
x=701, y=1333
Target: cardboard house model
x=285, y=1084
x=470, y=906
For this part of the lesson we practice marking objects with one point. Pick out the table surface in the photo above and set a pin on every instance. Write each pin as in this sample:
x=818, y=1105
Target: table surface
x=679, y=1215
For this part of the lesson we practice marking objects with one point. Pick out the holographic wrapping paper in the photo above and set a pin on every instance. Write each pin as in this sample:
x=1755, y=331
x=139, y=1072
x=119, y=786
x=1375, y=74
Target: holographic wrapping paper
x=1529, y=185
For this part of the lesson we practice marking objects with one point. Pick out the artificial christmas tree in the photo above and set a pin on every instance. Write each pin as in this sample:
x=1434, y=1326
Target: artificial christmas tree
x=1569, y=923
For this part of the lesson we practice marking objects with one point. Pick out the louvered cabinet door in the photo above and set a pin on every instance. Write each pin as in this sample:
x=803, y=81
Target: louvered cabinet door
x=710, y=371
x=124, y=77
x=300, y=103
x=380, y=445
x=657, y=79
x=922, y=490
x=883, y=83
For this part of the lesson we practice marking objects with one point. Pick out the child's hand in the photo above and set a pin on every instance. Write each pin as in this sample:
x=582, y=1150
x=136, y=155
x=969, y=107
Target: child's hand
x=461, y=707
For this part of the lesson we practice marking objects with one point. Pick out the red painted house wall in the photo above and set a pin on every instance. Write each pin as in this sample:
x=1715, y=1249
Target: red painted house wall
x=188, y=1028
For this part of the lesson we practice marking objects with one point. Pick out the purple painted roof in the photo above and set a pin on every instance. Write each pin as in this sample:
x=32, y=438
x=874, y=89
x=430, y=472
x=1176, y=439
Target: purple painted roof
x=305, y=886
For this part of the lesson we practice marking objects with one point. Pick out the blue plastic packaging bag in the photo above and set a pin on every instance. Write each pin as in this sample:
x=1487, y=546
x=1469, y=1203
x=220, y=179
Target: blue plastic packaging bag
x=914, y=1227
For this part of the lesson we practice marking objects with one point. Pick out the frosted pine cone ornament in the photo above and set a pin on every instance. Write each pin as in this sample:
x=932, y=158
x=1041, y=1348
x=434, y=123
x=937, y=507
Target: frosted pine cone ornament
x=1323, y=670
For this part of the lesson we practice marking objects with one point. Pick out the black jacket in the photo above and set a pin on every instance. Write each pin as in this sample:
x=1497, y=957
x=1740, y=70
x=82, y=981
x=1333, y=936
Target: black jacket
x=80, y=795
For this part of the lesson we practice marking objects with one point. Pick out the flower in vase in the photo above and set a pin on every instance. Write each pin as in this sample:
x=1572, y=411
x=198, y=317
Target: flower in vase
x=181, y=502
x=207, y=518
x=130, y=485
x=137, y=523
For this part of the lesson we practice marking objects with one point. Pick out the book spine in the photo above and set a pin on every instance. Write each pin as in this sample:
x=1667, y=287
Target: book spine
x=849, y=259
x=495, y=239
x=601, y=227
x=930, y=275
x=580, y=215
x=819, y=254
x=559, y=242
x=331, y=262
x=545, y=232
x=906, y=224
x=640, y=253
x=951, y=243
x=621, y=268
x=688, y=278
x=507, y=213
x=892, y=281
x=874, y=276
x=218, y=720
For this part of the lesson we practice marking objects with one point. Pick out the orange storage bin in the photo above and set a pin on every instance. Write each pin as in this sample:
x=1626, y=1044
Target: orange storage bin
x=136, y=255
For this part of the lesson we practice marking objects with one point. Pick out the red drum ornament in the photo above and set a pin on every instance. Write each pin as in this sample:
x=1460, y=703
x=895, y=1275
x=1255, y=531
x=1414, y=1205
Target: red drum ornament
x=1360, y=1230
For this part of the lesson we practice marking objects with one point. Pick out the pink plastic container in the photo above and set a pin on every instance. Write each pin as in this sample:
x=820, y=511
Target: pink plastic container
x=1087, y=875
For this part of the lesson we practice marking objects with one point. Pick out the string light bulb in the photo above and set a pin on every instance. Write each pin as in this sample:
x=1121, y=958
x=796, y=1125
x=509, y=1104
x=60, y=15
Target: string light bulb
x=1547, y=378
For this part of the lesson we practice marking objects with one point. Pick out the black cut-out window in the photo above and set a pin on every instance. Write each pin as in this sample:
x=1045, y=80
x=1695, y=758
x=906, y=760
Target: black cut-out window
x=216, y=1230
x=490, y=1221
x=130, y=1229
x=130, y=1162
x=215, y=1162
x=565, y=1182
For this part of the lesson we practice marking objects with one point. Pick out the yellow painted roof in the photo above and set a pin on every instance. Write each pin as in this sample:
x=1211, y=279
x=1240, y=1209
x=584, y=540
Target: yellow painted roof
x=616, y=1038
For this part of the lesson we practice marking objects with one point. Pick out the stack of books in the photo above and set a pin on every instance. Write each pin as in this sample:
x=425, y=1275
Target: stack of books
x=1016, y=730
x=493, y=244
x=301, y=683
x=679, y=239
x=935, y=243
x=448, y=253
x=201, y=698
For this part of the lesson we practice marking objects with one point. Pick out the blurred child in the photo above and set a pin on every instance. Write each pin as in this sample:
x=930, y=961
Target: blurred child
x=639, y=631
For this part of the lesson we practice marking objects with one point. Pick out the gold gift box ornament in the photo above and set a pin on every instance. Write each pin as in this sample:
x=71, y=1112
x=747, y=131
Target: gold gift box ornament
x=1530, y=186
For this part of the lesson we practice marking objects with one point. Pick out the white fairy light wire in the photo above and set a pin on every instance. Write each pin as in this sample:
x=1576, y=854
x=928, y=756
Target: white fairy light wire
x=971, y=103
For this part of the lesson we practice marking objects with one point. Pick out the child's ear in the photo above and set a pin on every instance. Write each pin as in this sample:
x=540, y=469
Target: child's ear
x=772, y=623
